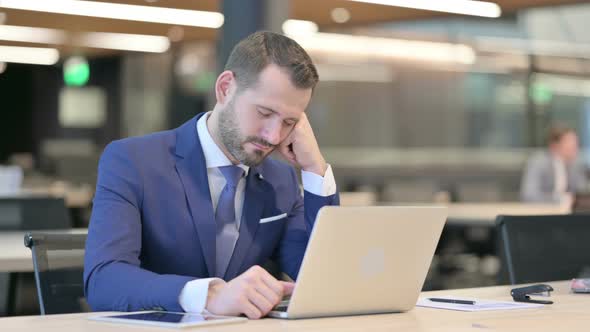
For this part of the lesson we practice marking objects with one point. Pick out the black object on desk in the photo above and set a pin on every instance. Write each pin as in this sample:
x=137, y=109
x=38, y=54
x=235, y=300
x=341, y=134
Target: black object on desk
x=455, y=301
x=522, y=294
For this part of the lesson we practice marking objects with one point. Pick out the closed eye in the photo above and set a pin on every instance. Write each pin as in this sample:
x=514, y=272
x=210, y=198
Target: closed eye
x=264, y=113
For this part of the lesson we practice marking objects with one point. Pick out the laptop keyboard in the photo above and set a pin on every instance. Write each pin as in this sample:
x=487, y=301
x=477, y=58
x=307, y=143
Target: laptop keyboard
x=282, y=307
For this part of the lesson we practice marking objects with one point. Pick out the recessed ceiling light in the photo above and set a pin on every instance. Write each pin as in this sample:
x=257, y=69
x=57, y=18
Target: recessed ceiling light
x=175, y=33
x=340, y=15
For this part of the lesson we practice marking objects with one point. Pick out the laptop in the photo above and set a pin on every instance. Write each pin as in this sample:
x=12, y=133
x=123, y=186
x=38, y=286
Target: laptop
x=364, y=260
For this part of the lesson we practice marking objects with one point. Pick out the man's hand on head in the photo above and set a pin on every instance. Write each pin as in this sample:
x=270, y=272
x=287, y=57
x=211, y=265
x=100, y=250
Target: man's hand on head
x=253, y=293
x=301, y=148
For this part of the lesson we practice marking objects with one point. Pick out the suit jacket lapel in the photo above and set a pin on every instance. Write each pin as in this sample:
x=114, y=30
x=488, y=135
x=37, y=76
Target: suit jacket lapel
x=192, y=169
x=255, y=202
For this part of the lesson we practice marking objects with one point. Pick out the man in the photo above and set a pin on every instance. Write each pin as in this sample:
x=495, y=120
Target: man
x=176, y=208
x=554, y=175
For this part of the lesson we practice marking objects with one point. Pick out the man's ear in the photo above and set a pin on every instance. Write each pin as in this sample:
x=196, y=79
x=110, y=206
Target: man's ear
x=224, y=87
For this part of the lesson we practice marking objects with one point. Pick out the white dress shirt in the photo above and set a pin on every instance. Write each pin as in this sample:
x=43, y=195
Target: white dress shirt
x=193, y=296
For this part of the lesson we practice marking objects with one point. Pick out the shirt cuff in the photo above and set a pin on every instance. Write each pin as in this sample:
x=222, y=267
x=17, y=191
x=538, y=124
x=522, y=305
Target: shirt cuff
x=318, y=185
x=193, y=297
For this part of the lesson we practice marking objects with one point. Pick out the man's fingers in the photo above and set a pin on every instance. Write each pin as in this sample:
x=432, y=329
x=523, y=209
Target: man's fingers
x=273, y=297
x=284, y=150
x=288, y=287
x=250, y=310
x=273, y=284
x=289, y=156
x=262, y=304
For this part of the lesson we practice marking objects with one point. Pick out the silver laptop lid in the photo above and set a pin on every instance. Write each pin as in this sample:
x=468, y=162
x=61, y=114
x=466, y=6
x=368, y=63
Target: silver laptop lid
x=363, y=260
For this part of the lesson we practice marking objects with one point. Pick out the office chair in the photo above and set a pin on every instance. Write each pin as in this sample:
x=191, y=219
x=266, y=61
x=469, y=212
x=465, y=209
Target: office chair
x=543, y=248
x=58, y=261
x=28, y=213
x=33, y=212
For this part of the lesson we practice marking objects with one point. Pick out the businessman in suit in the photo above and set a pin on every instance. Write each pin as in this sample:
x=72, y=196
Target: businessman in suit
x=183, y=219
x=556, y=174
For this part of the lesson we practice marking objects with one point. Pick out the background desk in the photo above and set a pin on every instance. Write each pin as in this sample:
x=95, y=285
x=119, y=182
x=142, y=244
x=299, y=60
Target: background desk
x=484, y=214
x=15, y=257
x=571, y=312
x=75, y=197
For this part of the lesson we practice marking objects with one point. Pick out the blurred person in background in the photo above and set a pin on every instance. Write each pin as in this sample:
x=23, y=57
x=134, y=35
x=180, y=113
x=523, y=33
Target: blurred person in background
x=555, y=174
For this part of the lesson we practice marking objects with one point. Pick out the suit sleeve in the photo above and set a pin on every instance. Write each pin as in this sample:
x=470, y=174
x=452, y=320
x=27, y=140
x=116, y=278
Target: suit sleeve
x=531, y=188
x=299, y=226
x=580, y=180
x=113, y=278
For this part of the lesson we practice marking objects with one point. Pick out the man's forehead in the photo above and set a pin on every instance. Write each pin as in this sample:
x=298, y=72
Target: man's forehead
x=280, y=99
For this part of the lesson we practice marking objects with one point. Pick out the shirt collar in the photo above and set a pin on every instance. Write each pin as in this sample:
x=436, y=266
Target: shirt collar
x=214, y=157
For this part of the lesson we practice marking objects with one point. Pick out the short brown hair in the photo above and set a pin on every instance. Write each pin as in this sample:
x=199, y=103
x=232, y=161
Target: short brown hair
x=252, y=54
x=556, y=133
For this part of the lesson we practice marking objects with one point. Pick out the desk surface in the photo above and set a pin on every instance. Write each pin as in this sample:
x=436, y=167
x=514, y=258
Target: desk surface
x=571, y=312
x=484, y=214
x=14, y=256
x=74, y=197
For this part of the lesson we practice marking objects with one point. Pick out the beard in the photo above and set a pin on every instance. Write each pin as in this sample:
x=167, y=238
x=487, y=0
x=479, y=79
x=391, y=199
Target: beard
x=234, y=141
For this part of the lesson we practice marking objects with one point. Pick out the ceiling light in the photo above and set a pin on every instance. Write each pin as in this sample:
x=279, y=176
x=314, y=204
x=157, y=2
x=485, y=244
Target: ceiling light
x=29, y=55
x=464, y=7
x=122, y=41
x=119, y=11
x=299, y=28
x=115, y=41
x=32, y=35
x=385, y=48
x=175, y=33
x=340, y=15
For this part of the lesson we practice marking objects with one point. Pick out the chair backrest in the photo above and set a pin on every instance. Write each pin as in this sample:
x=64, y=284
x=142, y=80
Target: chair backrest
x=581, y=203
x=33, y=213
x=544, y=248
x=58, y=261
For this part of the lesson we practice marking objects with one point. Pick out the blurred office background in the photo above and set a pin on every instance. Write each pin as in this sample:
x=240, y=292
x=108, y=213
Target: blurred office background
x=415, y=105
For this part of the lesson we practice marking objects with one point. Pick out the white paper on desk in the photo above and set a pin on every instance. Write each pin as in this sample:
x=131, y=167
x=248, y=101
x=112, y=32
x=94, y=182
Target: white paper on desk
x=480, y=305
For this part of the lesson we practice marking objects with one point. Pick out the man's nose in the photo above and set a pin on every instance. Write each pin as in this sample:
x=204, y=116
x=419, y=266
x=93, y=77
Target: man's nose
x=272, y=133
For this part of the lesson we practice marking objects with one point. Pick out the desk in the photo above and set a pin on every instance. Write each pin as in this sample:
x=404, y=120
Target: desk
x=484, y=214
x=571, y=312
x=15, y=257
x=74, y=197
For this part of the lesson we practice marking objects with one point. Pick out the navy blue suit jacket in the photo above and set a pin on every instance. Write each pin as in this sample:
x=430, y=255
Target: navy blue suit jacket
x=153, y=230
